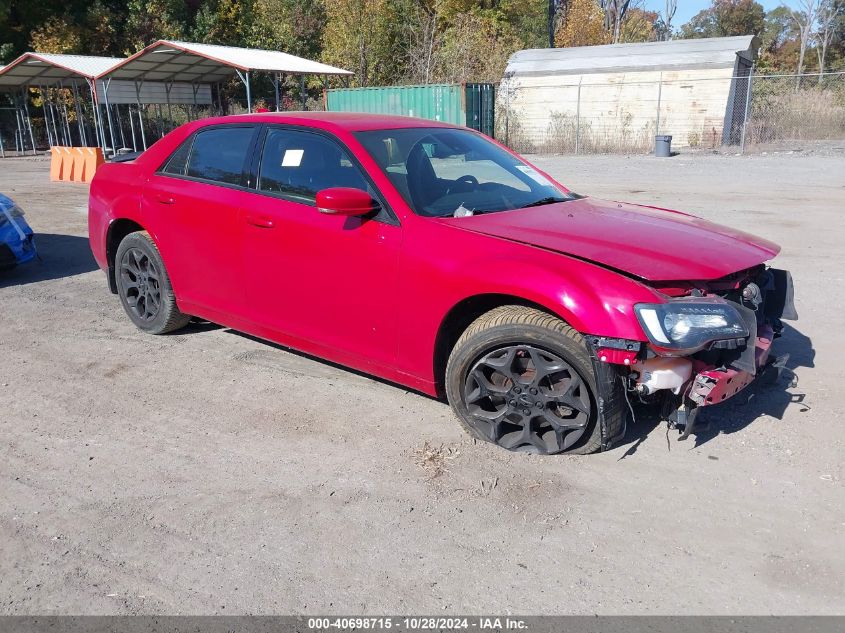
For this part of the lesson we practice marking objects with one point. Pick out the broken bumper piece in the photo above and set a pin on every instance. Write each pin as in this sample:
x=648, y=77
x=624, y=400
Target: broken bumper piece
x=712, y=386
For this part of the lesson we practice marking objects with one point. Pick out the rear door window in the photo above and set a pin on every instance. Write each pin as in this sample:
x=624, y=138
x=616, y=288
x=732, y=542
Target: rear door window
x=178, y=161
x=220, y=154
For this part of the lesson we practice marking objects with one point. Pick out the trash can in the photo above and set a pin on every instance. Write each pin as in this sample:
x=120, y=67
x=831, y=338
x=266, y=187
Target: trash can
x=663, y=146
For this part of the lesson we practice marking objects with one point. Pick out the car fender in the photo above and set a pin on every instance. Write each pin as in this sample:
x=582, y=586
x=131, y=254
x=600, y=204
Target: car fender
x=592, y=299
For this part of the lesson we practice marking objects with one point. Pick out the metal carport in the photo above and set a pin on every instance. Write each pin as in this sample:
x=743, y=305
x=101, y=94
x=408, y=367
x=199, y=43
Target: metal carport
x=168, y=61
x=49, y=70
x=164, y=73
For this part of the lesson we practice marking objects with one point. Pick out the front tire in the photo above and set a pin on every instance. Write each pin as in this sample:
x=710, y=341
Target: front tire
x=144, y=287
x=523, y=379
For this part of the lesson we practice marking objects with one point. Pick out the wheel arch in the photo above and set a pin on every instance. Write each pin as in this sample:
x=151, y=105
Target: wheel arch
x=118, y=229
x=461, y=315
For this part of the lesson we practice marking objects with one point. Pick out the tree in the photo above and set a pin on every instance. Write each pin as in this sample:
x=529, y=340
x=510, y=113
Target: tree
x=365, y=36
x=663, y=24
x=458, y=40
x=5, y=47
x=151, y=20
x=292, y=26
x=777, y=29
x=560, y=8
x=102, y=29
x=583, y=25
x=227, y=22
x=21, y=19
x=528, y=20
x=475, y=48
x=614, y=14
x=804, y=19
x=778, y=42
x=837, y=44
x=828, y=15
x=57, y=35
x=425, y=39
x=725, y=18
x=639, y=26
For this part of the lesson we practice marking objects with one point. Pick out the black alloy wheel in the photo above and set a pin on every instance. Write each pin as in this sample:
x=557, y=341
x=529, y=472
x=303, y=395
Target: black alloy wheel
x=141, y=284
x=528, y=399
x=523, y=379
x=144, y=287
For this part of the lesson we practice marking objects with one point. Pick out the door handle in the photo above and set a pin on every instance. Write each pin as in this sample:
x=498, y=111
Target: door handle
x=261, y=221
x=165, y=199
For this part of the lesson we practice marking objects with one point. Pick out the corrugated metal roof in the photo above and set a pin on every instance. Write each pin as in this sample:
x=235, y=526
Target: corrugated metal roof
x=86, y=65
x=50, y=68
x=170, y=60
x=715, y=52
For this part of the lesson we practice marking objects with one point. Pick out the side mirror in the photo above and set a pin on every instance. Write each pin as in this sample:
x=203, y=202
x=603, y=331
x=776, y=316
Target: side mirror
x=345, y=201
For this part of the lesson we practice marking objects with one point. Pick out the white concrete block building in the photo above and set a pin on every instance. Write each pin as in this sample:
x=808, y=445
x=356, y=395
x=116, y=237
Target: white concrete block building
x=619, y=96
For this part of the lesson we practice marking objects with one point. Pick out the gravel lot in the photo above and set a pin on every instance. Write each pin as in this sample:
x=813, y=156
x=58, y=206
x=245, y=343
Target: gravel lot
x=208, y=472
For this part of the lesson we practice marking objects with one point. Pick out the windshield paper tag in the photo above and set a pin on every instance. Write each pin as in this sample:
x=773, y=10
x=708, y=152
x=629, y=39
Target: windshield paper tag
x=292, y=157
x=534, y=175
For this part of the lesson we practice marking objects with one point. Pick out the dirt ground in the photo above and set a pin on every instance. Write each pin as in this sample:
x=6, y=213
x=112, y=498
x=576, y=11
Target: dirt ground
x=207, y=472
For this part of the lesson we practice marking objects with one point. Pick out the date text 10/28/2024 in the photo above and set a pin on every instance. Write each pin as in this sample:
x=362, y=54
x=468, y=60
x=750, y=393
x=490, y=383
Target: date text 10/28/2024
x=417, y=623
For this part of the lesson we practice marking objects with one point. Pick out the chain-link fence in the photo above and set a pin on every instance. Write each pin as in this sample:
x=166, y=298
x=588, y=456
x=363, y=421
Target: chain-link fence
x=788, y=108
x=712, y=110
x=613, y=113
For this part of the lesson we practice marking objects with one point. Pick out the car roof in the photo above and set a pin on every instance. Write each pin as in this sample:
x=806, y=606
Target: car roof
x=348, y=121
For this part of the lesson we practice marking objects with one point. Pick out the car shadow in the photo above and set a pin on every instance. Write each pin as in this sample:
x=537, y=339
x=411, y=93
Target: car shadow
x=59, y=256
x=328, y=363
x=195, y=326
x=763, y=402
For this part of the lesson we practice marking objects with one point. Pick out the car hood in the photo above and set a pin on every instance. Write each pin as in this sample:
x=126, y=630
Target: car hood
x=647, y=242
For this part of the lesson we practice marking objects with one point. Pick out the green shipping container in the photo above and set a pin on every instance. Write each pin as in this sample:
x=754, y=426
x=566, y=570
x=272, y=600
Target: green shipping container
x=472, y=105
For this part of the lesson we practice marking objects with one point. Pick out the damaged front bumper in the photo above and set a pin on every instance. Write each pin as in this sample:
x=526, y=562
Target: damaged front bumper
x=712, y=386
x=684, y=383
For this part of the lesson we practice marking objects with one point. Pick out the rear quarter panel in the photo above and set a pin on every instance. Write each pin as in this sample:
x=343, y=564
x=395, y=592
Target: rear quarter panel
x=117, y=188
x=115, y=193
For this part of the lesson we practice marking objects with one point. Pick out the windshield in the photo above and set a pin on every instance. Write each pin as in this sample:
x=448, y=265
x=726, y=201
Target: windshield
x=444, y=172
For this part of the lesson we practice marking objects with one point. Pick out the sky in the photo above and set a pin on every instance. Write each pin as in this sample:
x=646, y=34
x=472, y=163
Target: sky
x=688, y=8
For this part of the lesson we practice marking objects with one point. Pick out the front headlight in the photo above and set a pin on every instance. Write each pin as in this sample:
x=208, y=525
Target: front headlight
x=690, y=323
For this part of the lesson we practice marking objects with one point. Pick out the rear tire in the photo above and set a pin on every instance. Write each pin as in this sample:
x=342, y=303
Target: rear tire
x=522, y=379
x=144, y=287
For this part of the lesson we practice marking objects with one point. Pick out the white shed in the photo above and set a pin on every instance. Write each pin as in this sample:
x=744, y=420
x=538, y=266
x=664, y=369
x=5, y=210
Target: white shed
x=617, y=97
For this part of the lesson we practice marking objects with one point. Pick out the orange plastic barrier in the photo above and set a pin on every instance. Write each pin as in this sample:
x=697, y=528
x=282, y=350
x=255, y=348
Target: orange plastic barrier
x=78, y=164
x=56, y=163
x=75, y=164
x=93, y=159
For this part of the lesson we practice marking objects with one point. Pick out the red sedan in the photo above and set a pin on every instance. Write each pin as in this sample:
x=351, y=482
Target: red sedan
x=436, y=258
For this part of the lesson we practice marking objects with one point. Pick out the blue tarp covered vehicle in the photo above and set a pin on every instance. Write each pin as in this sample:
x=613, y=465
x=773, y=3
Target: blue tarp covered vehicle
x=17, y=244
